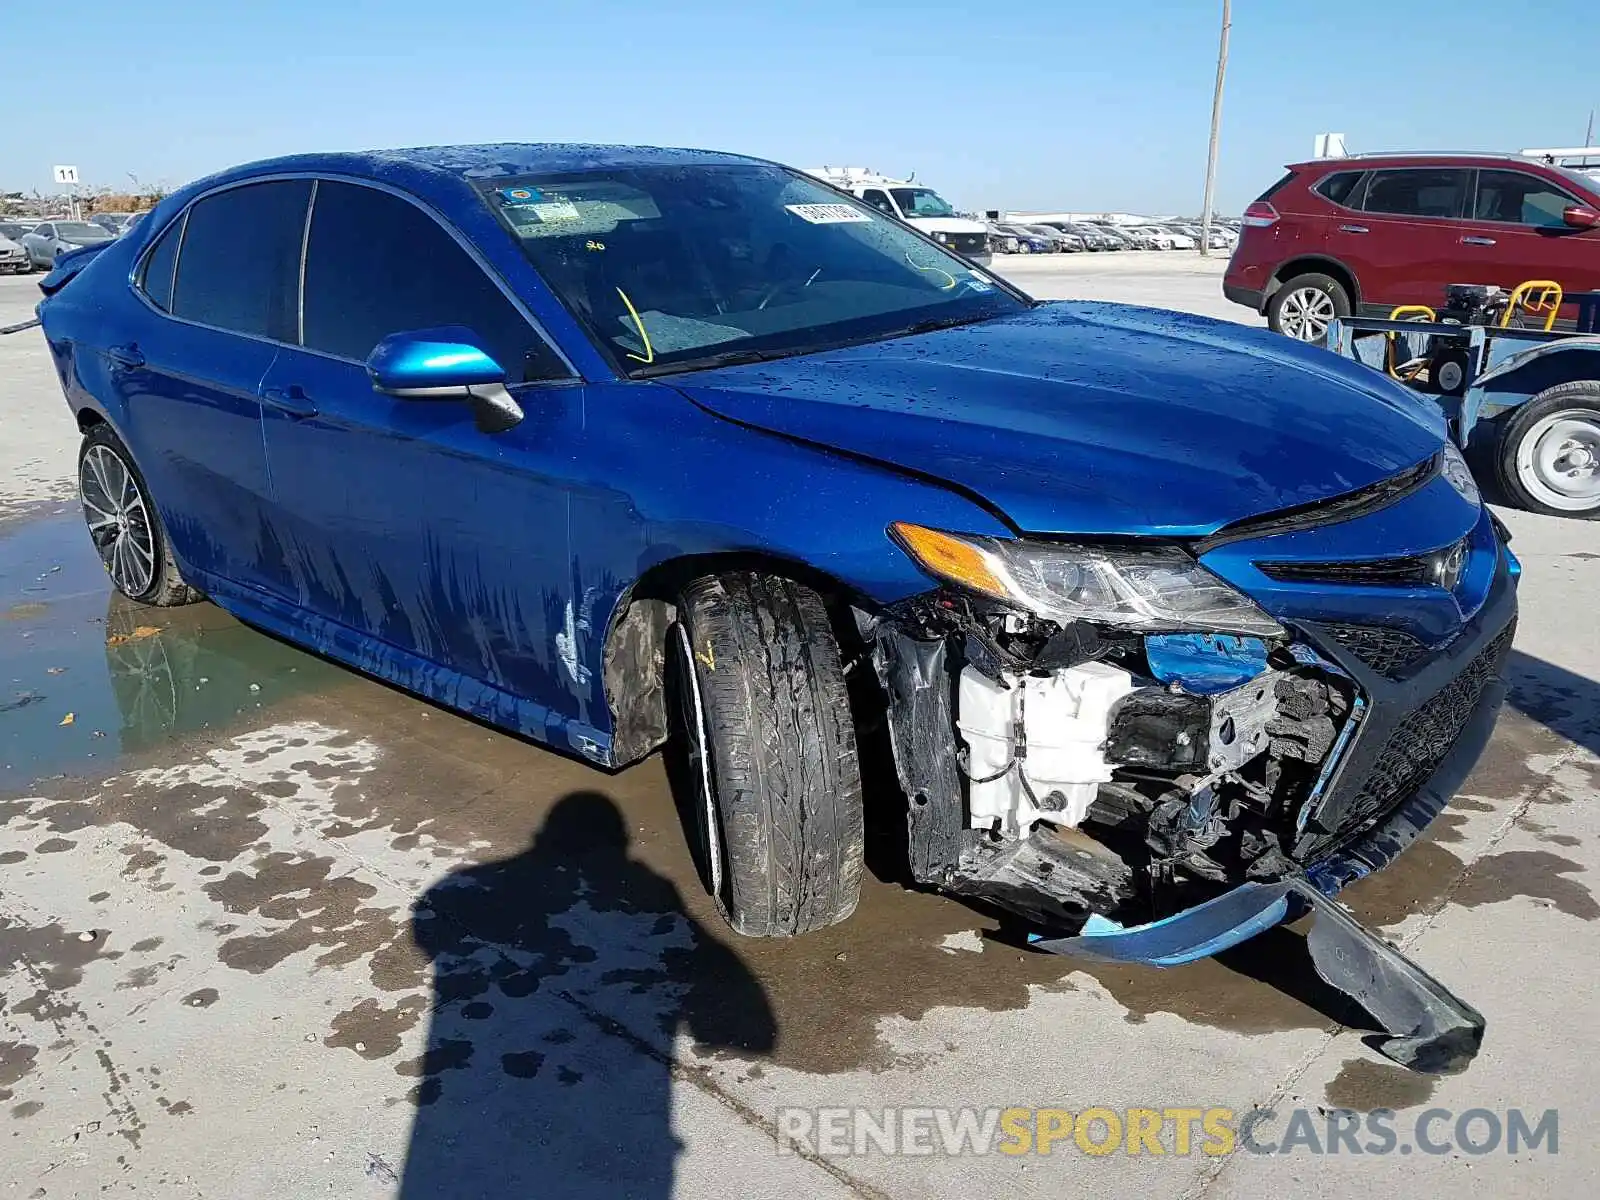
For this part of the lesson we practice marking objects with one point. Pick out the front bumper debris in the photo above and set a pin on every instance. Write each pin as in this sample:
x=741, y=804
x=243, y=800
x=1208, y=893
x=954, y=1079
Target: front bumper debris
x=1384, y=761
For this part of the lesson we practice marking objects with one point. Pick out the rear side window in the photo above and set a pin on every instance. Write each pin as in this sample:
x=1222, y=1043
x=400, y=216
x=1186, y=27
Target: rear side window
x=1338, y=187
x=156, y=279
x=1522, y=198
x=377, y=265
x=240, y=265
x=1417, y=192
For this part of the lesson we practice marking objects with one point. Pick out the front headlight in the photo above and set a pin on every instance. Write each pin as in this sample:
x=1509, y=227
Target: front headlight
x=1460, y=475
x=1147, y=590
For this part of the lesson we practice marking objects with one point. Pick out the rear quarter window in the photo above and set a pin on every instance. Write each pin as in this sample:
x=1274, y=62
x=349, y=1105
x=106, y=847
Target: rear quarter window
x=155, y=280
x=1339, y=187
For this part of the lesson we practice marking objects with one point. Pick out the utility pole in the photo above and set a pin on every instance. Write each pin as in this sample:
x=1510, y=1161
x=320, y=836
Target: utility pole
x=1216, y=124
x=1588, y=135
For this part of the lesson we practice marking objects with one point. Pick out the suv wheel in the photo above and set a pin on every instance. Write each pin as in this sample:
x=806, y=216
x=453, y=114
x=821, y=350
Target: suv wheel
x=1549, y=452
x=762, y=706
x=1303, y=307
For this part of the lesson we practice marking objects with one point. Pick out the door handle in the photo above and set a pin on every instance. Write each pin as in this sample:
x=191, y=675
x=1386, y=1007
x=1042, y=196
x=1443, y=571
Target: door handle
x=1352, y=229
x=128, y=355
x=291, y=401
x=1477, y=241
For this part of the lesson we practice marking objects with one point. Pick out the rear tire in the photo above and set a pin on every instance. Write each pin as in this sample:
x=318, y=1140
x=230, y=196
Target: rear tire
x=1548, y=457
x=124, y=527
x=1302, y=307
x=775, y=768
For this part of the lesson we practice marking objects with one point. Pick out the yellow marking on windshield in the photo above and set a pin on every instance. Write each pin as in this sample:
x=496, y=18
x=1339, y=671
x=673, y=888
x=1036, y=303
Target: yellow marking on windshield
x=943, y=287
x=649, y=354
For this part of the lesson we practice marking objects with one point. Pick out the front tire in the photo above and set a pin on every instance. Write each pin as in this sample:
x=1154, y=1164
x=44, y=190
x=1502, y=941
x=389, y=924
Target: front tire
x=1303, y=307
x=772, y=751
x=124, y=527
x=1548, y=456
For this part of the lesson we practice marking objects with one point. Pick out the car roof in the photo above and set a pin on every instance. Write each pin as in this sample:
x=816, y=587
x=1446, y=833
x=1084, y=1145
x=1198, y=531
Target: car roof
x=490, y=161
x=1362, y=162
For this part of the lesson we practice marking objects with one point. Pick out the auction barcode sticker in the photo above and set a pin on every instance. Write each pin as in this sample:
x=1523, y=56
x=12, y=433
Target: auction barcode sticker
x=827, y=214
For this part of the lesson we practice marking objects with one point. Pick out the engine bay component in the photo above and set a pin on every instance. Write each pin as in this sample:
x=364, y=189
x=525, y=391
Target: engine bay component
x=1033, y=743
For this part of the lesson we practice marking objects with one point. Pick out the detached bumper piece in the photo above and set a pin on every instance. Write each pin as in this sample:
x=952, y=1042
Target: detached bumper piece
x=1428, y=1028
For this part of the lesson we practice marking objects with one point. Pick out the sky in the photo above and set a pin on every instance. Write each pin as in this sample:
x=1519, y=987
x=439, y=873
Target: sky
x=1079, y=106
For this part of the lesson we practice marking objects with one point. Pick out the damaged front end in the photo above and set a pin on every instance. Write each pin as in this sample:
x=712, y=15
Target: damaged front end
x=1077, y=752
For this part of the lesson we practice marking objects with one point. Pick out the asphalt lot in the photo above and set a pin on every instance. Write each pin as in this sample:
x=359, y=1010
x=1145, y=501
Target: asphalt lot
x=271, y=929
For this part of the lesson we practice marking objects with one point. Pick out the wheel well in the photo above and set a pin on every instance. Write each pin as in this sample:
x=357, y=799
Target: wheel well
x=88, y=419
x=1324, y=266
x=634, y=658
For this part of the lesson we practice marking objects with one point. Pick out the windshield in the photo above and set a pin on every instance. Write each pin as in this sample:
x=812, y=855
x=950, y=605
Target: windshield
x=921, y=202
x=673, y=268
x=80, y=231
x=7, y=229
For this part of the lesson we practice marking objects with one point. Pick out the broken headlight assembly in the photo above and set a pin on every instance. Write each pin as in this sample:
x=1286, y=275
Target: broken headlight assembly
x=1146, y=590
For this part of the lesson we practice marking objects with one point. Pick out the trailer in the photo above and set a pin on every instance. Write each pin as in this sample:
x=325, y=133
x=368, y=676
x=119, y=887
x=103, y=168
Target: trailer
x=1521, y=396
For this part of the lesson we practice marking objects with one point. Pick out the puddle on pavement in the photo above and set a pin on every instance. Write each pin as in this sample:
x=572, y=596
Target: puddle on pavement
x=129, y=678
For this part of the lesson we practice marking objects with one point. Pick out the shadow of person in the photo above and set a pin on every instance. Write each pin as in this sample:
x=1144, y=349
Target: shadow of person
x=561, y=977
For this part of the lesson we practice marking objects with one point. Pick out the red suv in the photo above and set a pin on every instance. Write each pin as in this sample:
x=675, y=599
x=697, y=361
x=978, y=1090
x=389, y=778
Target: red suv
x=1362, y=235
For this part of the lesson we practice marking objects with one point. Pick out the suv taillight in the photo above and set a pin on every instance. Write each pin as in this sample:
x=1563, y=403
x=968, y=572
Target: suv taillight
x=1259, y=215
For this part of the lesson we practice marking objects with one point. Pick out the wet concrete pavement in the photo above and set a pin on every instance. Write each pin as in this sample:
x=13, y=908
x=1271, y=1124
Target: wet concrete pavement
x=270, y=928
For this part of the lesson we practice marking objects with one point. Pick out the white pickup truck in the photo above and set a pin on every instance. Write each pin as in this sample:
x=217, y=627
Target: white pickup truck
x=918, y=206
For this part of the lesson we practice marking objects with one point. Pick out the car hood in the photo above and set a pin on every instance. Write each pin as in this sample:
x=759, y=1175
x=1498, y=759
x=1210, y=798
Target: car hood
x=1083, y=418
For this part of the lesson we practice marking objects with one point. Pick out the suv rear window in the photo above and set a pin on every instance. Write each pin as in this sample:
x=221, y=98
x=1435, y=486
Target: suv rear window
x=1417, y=192
x=1338, y=186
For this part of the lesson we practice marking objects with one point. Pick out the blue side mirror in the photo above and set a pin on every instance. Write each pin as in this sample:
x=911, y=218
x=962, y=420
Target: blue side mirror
x=444, y=364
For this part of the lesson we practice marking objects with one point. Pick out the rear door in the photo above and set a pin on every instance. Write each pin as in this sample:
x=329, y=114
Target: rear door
x=1407, y=234
x=224, y=275
x=399, y=520
x=1515, y=233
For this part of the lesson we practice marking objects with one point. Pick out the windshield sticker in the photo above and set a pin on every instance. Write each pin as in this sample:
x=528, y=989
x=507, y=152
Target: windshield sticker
x=828, y=214
x=978, y=285
x=519, y=195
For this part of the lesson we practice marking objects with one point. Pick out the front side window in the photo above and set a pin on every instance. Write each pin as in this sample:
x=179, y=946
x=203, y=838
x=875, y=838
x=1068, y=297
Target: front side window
x=1416, y=192
x=46, y=231
x=377, y=265
x=240, y=266
x=879, y=199
x=1520, y=198
x=156, y=278
x=669, y=268
x=921, y=202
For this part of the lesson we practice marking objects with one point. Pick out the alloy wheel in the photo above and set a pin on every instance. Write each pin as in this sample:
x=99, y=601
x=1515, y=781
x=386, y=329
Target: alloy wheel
x=119, y=519
x=1306, y=313
x=699, y=754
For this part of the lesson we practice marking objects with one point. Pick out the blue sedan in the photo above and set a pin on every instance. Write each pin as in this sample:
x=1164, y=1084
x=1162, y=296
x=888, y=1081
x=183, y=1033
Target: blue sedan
x=1168, y=627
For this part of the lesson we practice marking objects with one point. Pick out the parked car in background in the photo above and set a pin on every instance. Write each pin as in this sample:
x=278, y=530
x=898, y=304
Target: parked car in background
x=117, y=223
x=916, y=204
x=1101, y=563
x=14, y=229
x=1164, y=238
x=1127, y=238
x=57, y=237
x=1026, y=240
x=13, y=257
x=1065, y=243
x=1362, y=235
x=1094, y=237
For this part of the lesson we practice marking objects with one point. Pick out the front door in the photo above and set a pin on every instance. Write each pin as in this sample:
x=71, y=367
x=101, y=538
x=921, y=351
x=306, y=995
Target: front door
x=433, y=554
x=1516, y=233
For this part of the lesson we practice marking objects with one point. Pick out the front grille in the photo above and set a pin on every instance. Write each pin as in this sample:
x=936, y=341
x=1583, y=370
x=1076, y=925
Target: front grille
x=965, y=243
x=1387, y=650
x=1416, y=570
x=1420, y=742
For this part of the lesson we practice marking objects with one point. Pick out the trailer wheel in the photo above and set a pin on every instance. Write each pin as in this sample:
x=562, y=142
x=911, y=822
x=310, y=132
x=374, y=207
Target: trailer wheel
x=1303, y=307
x=1549, y=452
x=762, y=704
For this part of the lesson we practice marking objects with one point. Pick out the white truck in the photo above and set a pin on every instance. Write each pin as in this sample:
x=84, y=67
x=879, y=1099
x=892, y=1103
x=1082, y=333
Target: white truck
x=918, y=206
